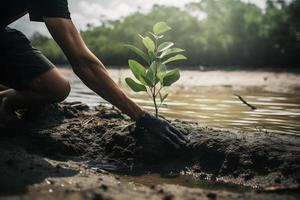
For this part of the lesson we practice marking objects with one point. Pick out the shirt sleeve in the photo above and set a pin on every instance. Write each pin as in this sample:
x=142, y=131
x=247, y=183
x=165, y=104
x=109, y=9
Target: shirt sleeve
x=38, y=9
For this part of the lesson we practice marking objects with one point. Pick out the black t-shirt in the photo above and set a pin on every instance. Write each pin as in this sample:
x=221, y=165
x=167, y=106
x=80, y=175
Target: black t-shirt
x=11, y=10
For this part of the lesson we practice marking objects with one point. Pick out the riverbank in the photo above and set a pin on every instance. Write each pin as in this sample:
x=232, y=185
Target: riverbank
x=71, y=151
x=269, y=81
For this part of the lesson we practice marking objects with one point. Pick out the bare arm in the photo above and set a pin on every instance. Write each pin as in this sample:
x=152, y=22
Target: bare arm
x=88, y=67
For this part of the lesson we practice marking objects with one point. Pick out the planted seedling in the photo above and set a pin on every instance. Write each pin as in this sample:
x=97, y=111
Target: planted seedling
x=153, y=77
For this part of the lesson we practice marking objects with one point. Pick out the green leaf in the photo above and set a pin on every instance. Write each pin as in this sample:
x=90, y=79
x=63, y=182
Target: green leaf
x=135, y=86
x=164, y=46
x=138, y=52
x=171, y=77
x=137, y=69
x=163, y=98
x=171, y=51
x=149, y=44
x=160, y=28
x=150, y=77
x=161, y=67
x=147, y=81
x=161, y=71
x=142, y=37
x=152, y=55
x=156, y=36
x=153, y=66
x=175, y=58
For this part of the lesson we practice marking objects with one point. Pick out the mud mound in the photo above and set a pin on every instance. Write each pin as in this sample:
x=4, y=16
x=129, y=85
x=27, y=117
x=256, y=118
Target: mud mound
x=255, y=159
x=104, y=138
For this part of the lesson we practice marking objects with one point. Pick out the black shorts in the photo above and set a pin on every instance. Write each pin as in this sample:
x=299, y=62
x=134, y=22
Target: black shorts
x=20, y=63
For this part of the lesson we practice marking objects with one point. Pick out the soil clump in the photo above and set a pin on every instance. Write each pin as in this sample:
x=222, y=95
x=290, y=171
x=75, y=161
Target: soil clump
x=71, y=151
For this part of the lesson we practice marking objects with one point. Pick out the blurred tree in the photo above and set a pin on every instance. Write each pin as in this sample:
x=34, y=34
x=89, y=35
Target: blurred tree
x=49, y=48
x=231, y=33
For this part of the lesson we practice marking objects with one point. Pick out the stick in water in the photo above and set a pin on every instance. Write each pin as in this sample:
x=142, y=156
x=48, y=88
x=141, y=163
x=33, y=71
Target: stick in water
x=245, y=102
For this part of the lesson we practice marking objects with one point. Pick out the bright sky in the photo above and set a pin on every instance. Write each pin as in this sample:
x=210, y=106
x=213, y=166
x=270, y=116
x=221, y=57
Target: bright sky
x=92, y=11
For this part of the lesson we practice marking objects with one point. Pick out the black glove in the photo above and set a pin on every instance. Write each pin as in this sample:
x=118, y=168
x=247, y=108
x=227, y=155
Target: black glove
x=163, y=129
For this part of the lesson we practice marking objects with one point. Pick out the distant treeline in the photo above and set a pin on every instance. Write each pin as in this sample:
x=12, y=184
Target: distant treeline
x=213, y=32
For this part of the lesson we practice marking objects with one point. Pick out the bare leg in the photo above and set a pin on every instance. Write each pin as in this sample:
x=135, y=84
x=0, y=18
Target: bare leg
x=50, y=87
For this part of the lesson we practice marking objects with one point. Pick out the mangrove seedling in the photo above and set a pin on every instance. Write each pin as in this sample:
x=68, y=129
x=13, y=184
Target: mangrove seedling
x=153, y=77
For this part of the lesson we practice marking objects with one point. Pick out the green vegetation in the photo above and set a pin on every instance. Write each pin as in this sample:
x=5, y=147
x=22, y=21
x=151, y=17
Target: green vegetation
x=231, y=33
x=153, y=79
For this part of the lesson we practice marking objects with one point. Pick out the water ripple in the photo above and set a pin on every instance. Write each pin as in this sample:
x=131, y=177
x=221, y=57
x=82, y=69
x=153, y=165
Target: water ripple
x=217, y=106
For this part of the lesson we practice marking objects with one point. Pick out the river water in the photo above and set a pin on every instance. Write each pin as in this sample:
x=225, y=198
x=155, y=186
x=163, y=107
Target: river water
x=209, y=98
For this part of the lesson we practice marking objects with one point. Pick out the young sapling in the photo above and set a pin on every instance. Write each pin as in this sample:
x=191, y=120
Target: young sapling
x=153, y=77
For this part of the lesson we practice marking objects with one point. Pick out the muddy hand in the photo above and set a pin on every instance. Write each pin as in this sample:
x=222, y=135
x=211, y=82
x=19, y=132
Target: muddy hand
x=163, y=129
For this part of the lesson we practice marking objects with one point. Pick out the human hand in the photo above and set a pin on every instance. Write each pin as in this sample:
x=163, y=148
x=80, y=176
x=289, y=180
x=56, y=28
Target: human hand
x=163, y=129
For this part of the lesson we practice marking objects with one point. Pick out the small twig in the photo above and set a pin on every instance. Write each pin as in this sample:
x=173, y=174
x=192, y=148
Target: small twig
x=158, y=90
x=86, y=122
x=245, y=102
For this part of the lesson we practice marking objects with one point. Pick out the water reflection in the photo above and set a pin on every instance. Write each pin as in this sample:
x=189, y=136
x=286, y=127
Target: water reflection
x=216, y=106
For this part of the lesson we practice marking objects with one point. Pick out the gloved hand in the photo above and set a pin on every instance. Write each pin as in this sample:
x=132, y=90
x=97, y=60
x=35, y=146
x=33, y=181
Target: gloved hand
x=163, y=129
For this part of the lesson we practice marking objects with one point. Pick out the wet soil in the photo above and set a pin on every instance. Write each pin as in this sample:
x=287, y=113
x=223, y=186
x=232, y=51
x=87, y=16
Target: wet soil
x=71, y=151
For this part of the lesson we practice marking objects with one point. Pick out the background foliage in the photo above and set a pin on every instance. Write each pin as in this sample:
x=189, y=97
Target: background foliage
x=233, y=33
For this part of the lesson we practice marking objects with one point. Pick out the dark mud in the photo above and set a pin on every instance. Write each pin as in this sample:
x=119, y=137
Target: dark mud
x=72, y=145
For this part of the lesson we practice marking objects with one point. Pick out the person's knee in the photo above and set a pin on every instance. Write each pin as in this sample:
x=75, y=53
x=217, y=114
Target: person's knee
x=52, y=86
x=62, y=92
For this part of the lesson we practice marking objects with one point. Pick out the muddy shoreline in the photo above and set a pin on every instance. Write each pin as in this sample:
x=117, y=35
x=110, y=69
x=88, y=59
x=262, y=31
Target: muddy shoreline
x=71, y=151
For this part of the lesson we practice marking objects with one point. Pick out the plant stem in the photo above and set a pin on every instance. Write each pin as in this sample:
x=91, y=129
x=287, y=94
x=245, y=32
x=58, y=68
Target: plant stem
x=158, y=90
x=154, y=101
x=154, y=94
